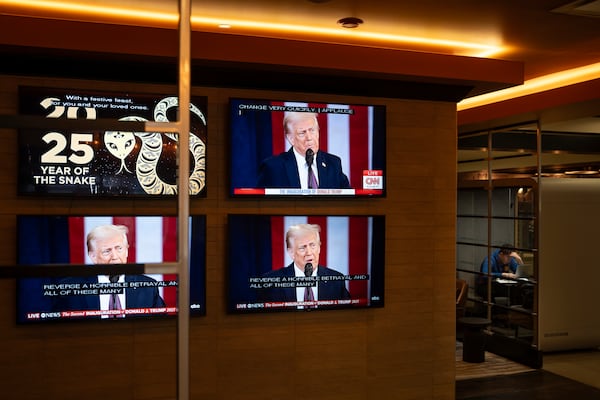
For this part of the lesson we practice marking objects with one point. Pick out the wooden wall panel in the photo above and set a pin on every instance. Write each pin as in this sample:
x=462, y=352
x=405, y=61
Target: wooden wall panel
x=404, y=350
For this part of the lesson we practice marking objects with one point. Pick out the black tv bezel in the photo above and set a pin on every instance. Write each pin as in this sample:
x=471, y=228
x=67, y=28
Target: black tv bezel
x=116, y=184
x=197, y=290
x=376, y=279
x=379, y=153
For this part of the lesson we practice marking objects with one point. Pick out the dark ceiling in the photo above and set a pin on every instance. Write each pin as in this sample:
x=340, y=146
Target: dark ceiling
x=535, y=32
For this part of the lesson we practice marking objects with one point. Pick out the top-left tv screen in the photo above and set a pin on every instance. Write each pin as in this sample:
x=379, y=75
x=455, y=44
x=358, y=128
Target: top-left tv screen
x=104, y=162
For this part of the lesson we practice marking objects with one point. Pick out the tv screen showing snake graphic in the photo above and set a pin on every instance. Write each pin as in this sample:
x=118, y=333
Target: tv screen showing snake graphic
x=107, y=162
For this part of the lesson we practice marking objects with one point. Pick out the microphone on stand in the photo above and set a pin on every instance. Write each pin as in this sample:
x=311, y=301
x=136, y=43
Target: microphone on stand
x=309, y=296
x=310, y=156
x=312, y=179
x=308, y=269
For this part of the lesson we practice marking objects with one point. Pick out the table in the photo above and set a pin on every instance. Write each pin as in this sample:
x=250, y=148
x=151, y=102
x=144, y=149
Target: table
x=474, y=338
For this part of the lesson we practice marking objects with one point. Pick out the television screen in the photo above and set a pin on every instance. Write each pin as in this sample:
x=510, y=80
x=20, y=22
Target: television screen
x=282, y=148
x=93, y=240
x=106, y=162
x=290, y=263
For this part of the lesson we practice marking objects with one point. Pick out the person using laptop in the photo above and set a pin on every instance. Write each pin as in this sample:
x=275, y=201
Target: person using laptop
x=502, y=263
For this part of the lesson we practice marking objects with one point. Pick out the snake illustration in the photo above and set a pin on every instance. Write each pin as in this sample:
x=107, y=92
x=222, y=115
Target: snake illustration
x=121, y=144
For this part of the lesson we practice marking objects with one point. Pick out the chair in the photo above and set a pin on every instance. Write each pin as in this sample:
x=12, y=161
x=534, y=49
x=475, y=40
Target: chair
x=462, y=289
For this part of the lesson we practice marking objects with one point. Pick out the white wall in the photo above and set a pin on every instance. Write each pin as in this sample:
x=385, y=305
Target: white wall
x=569, y=264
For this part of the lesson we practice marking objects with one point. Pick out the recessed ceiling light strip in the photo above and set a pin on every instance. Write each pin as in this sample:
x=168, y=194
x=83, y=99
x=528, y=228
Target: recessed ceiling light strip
x=536, y=85
x=89, y=11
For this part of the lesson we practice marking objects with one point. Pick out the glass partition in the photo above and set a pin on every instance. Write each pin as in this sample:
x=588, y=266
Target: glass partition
x=496, y=214
x=499, y=175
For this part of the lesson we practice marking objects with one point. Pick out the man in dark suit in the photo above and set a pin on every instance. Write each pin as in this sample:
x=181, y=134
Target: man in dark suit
x=318, y=282
x=107, y=244
x=293, y=169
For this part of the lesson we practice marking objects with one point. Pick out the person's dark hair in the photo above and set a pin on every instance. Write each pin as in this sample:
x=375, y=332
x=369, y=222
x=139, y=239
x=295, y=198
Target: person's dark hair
x=506, y=248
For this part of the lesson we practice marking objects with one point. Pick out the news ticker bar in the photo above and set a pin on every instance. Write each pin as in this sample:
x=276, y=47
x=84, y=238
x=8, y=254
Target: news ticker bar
x=59, y=270
x=304, y=192
x=303, y=304
x=101, y=313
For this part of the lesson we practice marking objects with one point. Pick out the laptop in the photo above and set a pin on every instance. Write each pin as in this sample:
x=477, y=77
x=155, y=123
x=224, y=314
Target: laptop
x=524, y=271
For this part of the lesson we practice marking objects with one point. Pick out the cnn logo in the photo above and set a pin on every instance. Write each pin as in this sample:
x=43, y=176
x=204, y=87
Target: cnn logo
x=372, y=182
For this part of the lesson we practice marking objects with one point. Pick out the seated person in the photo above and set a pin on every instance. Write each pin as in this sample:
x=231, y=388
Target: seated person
x=502, y=263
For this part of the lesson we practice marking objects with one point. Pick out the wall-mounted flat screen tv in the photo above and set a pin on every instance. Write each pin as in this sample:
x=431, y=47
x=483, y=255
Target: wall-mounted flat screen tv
x=289, y=148
x=60, y=161
x=292, y=262
x=94, y=241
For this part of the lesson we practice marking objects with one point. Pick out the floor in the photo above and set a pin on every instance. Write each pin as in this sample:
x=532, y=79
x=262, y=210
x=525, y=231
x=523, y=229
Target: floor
x=582, y=366
x=566, y=375
x=539, y=385
x=494, y=365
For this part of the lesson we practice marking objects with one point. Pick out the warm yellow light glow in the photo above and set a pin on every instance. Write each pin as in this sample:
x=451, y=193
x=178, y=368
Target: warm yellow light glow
x=92, y=10
x=536, y=85
x=89, y=11
x=455, y=46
